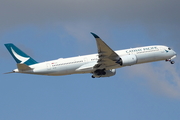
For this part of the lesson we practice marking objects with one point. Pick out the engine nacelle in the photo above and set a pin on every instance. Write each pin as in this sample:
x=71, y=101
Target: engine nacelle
x=128, y=60
x=106, y=73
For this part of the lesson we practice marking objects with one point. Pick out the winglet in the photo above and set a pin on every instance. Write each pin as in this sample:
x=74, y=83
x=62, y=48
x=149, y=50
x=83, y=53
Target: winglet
x=95, y=35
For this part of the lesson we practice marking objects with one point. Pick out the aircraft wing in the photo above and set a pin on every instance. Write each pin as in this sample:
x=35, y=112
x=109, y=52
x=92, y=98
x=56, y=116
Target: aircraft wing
x=107, y=57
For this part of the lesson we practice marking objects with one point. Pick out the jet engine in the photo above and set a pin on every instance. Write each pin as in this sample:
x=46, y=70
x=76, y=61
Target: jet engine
x=128, y=60
x=103, y=73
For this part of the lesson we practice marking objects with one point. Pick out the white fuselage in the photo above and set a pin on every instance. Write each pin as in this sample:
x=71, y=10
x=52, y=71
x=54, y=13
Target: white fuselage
x=85, y=64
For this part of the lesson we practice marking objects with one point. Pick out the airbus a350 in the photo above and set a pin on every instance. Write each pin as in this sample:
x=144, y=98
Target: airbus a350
x=102, y=64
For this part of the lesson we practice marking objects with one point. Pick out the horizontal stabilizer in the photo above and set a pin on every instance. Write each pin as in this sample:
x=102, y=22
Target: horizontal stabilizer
x=9, y=72
x=23, y=67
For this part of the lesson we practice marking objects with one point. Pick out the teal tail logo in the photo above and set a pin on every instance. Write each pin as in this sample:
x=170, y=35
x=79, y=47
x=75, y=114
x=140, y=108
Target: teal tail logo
x=19, y=56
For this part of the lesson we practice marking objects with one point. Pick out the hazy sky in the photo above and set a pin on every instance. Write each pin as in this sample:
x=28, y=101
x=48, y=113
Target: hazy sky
x=49, y=30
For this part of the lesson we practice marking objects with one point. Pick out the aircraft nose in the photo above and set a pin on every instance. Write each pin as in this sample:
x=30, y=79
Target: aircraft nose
x=174, y=54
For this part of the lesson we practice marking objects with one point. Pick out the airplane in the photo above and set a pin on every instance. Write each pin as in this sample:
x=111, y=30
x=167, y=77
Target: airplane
x=102, y=64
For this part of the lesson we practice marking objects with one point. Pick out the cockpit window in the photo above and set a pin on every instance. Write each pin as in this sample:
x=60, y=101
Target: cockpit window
x=169, y=48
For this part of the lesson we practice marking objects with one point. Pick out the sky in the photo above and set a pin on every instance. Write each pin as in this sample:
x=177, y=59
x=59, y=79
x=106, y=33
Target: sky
x=48, y=30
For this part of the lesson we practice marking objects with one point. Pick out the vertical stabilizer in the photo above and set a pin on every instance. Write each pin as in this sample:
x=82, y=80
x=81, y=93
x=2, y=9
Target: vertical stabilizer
x=19, y=56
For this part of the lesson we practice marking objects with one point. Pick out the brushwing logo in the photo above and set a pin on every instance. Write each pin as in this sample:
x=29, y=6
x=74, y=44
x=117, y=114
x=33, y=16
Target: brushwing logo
x=20, y=58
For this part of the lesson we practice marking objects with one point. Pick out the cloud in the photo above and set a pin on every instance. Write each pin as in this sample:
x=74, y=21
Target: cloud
x=162, y=79
x=39, y=11
x=157, y=16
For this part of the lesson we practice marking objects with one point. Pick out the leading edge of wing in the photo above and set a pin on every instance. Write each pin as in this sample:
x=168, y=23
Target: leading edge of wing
x=102, y=46
x=105, y=52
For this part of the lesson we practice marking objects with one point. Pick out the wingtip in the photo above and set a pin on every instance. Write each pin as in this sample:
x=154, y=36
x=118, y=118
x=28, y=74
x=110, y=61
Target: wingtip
x=96, y=36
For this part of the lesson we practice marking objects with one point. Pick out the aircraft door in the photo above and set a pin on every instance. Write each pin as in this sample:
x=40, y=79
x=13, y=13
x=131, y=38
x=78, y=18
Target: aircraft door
x=162, y=50
x=85, y=59
x=49, y=66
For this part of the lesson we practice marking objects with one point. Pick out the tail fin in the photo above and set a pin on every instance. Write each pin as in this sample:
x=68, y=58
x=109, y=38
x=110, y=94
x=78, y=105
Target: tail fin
x=19, y=56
